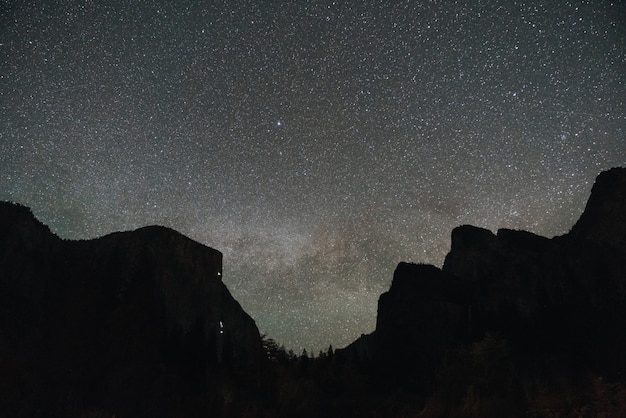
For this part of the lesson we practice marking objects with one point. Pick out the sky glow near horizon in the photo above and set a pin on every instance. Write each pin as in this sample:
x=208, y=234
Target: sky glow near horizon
x=315, y=143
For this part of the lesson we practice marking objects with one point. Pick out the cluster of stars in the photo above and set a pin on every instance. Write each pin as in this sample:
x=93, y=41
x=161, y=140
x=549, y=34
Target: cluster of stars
x=316, y=144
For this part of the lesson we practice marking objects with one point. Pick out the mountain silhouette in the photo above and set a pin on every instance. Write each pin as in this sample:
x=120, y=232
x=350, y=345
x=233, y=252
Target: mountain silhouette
x=140, y=324
x=555, y=308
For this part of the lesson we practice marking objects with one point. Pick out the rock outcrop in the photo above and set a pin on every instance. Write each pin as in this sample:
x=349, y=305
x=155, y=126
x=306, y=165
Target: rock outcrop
x=604, y=218
x=559, y=304
x=137, y=323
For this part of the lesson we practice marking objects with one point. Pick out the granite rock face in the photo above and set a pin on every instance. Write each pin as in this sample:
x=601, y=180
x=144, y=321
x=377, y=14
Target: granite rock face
x=604, y=218
x=136, y=321
x=418, y=318
x=560, y=303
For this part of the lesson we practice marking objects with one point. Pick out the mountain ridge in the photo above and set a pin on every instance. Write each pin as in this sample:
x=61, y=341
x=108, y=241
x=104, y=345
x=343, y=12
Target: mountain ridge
x=558, y=305
x=139, y=323
x=118, y=307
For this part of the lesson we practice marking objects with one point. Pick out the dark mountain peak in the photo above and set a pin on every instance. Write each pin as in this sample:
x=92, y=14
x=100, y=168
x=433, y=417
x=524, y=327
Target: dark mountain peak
x=13, y=210
x=408, y=275
x=19, y=221
x=161, y=233
x=468, y=244
x=554, y=307
x=604, y=217
x=158, y=231
x=475, y=250
x=413, y=281
x=519, y=238
x=470, y=238
x=135, y=321
x=164, y=248
x=152, y=234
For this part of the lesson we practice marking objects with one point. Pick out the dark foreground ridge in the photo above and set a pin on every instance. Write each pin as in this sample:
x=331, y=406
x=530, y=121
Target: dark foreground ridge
x=139, y=324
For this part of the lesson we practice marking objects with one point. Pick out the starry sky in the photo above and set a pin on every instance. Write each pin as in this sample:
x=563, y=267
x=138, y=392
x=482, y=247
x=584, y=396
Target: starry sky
x=315, y=143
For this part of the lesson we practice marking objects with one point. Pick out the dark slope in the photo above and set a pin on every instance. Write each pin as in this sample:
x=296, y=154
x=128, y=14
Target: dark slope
x=554, y=308
x=140, y=324
x=604, y=218
x=134, y=323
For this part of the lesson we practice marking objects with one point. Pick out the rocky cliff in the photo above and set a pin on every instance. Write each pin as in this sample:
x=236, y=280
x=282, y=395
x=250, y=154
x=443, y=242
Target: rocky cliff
x=138, y=322
x=558, y=305
x=604, y=218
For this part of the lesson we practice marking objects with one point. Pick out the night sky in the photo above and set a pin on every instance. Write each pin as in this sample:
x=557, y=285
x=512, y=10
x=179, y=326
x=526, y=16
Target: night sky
x=316, y=144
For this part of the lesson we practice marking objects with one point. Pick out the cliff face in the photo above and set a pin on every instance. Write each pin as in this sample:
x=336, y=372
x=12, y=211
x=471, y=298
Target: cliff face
x=559, y=304
x=604, y=218
x=134, y=321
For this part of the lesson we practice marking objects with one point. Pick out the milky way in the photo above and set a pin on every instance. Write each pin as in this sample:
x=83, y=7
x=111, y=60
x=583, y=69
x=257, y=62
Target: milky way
x=316, y=144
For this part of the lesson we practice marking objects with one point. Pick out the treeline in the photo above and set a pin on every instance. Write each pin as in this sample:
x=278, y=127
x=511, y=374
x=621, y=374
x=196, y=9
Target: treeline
x=477, y=379
x=279, y=354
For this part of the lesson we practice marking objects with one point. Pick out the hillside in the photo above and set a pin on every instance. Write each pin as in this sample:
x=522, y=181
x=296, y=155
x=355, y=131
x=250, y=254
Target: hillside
x=134, y=323
x=140, y=324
